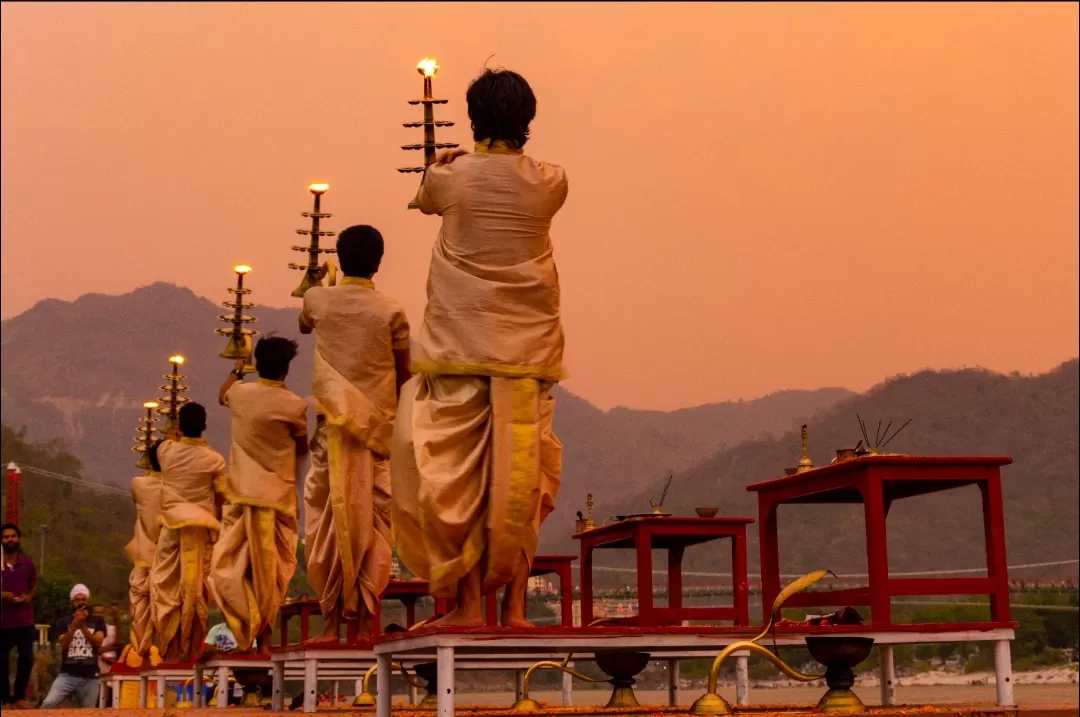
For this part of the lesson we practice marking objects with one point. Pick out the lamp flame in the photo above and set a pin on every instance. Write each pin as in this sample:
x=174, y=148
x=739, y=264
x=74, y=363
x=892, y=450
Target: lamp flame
x=178, y=359
x=318, y=188
x=427, y=67
x=242, y=269
x=150, y=404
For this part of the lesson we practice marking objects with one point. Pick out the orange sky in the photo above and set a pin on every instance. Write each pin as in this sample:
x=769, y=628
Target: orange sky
x=762, y=196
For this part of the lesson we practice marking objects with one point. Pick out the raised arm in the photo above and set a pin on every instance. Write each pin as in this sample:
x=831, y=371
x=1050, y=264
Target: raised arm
x=305, y=327
x=235, y=375
x=430, y=197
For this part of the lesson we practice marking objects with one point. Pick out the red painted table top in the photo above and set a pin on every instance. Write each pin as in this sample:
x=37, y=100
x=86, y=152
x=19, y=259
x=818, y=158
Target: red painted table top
x=405, y=588
x=908, y=476
x=675, y=530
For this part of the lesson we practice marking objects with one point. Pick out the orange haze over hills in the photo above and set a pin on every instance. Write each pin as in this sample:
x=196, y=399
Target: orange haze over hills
x=763, y=196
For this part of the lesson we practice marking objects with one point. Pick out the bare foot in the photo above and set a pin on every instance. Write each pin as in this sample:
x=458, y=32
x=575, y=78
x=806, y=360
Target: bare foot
x=456, y=618
x=518, y=622
x=329, y=636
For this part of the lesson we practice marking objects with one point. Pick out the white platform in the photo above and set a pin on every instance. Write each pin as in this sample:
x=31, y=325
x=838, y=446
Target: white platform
x=314, y=664
x=160, y=675
x=447, y=647
x=113, y=682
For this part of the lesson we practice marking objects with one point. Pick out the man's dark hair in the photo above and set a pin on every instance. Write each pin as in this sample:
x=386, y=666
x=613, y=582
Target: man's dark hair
x=360, y=250
x=151, y=455
x=272, y=357
x=501, y=106
x=11, y=526
x=192, y=420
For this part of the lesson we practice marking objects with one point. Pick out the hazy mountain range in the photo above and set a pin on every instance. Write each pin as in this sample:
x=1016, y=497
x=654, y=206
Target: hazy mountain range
x=79, y=371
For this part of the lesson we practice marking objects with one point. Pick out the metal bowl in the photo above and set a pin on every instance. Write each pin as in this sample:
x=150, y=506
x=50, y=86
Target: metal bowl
x=706, y=512
x=622, y=664
x=839, y=651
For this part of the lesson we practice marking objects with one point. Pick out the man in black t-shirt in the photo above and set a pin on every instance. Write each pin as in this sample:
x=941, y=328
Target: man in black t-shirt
x=80, y=636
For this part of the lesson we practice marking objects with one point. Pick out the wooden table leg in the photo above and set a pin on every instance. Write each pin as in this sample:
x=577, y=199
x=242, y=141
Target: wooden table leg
x=742, y=679
x=223, y=687
x=586, y=584
x=877, y=549
x=277, y=701
x=1003, y=673
x=384, y=700
x=305, y=614
x=197, y=687
x=643, y=548
x=311, y=684
x=566, y=593
x=740, y=580
x=444, y=656
x=674, y=581
x=888, y=675
x=770, y=554
x=994, y=530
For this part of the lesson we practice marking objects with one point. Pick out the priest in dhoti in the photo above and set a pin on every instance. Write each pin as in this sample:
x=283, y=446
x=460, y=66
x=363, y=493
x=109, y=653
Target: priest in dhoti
x=255, y=556
x=190, y=522
x=475, y=464
x=146, y=493
x=361, y=361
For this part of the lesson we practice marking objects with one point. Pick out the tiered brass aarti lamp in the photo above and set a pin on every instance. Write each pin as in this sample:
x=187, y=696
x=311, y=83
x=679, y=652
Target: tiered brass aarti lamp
x=173, y=400
x=427, y=68
x=147, y=433
x=239, y=346
x=311, y=269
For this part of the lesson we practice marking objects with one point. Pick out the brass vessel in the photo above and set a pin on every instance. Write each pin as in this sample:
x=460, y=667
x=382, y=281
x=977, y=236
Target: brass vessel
x=239, y=346
x=311, y=269
x=840, y=654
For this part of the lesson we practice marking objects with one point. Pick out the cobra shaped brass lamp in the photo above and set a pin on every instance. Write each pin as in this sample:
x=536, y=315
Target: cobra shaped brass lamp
x=711, y=703
x=526, y=703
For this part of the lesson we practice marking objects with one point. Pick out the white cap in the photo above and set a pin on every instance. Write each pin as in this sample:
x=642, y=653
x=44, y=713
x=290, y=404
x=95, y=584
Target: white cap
x=80, y=589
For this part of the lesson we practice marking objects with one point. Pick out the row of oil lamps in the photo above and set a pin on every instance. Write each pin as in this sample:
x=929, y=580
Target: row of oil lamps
x=240, y=337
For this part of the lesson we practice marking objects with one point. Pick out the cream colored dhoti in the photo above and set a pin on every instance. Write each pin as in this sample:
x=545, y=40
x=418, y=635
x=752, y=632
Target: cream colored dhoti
x=142, y=624
x=346, y=522
x=253, y=561
x=475, y=469
x=178, y=590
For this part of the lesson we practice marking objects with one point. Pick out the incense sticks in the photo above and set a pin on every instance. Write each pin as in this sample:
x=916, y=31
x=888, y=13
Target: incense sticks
x=897, y=432
x=881, y=437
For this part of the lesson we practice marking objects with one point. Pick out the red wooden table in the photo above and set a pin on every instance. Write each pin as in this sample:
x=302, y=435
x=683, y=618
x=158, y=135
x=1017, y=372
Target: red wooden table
x=542, y=565
x=876, y=481
x=559, y=565
x=674, y=534
x=407, y=592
